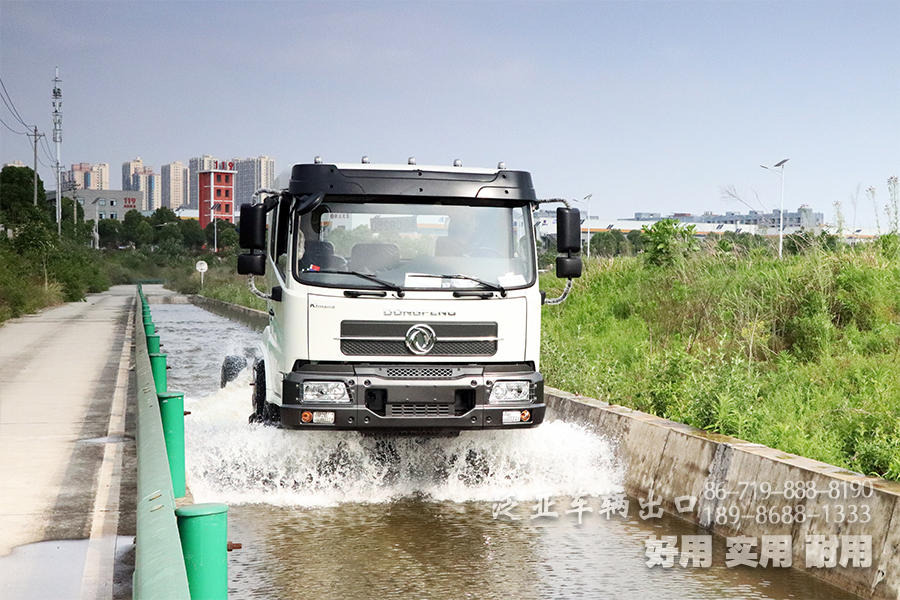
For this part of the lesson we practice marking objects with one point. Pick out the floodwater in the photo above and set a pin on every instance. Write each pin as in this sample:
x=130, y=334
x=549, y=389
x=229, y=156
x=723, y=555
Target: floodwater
x=339, y=515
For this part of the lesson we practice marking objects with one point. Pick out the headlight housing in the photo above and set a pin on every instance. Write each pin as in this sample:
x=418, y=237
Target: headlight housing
x=510, y=391
x=325, y=391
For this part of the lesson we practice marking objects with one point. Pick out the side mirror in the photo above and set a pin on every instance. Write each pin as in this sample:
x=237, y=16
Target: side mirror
x=568, y=240
x=568, y=266
x=309, y=202
x=251, y=264
x=568, y=230
x=253, y=228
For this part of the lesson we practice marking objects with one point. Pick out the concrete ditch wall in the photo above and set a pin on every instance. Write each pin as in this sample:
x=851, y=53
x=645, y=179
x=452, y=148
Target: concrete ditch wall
x=742, y=489
x=254, y=319
x=744, y=484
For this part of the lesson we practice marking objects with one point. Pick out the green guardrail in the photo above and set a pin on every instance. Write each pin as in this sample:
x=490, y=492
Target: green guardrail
x=180, y=553
x=159, y=568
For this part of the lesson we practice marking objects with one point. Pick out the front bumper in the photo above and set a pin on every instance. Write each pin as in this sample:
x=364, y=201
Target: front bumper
x=413, y=398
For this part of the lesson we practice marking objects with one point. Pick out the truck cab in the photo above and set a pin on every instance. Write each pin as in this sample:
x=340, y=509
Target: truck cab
x=401, y=298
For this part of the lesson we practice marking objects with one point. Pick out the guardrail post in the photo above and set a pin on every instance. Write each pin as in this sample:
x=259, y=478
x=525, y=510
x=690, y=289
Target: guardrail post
x=149, y=328
x=171, y=409
x=153, y=344
x=158, y=365
x=204, y=541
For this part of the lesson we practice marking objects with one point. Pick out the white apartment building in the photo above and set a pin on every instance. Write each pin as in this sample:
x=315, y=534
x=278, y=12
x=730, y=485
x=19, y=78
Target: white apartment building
x=174, y=184
x=85, y=176
x=195, y=165
x=129, y=169
x=145, y=180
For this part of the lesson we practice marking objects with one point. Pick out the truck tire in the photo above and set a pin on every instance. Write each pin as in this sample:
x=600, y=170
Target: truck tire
x=231, y=368
x=263, y=412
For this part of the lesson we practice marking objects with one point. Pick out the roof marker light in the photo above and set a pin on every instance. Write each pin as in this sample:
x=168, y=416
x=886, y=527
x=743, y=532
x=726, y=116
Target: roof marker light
x=318, y=160
x=411, y=160
x=501, y=165
x=365, y=160
x=457, y=163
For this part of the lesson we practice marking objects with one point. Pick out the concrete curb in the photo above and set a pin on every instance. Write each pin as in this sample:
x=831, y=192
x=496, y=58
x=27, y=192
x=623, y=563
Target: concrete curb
x=667, y=460
x=254, y=319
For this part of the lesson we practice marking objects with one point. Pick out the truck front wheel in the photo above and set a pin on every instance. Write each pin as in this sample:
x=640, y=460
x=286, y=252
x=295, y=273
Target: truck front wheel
x=263, y=412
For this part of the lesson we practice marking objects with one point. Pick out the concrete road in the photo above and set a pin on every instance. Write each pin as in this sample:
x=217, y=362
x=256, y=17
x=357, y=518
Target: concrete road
x=65, y=444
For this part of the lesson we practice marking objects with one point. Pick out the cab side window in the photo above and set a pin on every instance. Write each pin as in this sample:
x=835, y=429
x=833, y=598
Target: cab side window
x=279, y=241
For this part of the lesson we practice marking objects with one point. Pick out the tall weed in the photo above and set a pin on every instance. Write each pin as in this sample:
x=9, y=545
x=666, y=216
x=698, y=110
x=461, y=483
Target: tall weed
x=802, y=354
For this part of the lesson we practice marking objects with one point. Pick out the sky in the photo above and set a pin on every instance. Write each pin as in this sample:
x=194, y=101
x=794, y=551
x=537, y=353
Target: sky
x=647, y=106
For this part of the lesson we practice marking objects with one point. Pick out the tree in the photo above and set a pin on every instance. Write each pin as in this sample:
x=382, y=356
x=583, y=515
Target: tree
x=143, y=234
x=192, y=234
x=667, y=242
x=609, y=243
x=635, y=239
x=161, y=217
x=109, y=231
x=130, y=225
x=216, y=229
x=169, y=232
x=35, y=241
x=17, y=197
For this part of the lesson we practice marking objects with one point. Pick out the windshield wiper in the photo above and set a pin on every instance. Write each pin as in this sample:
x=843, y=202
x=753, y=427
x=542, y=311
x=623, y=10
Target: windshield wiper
x=385, y=284
x=491, y=286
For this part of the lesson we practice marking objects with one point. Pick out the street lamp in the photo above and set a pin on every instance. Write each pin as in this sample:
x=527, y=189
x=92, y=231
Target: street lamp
x=588, y=198
x=780, y=166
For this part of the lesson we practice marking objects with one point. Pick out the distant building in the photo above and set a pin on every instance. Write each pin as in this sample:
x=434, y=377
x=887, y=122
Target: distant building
x=104, y=204
x=145, y=180
x=129, y=169
x=17, y=163
x=85, y=176
x=174, y=180
x=216, y=195
x=195, y=166
x=252, y=174
x=804, y=218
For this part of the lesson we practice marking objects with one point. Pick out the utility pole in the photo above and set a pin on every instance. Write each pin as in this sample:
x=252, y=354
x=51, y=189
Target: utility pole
x=588, y=198
x=57, y=139
x=780, y=172
x=35, y=135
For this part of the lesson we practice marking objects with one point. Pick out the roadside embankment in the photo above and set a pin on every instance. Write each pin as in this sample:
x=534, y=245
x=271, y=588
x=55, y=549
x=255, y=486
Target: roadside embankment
x=744, y=489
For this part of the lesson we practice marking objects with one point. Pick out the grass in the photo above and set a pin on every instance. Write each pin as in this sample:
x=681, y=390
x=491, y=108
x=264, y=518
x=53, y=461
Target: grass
x=801, y=354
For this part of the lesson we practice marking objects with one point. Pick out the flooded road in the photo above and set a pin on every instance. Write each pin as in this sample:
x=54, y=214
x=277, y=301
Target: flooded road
x=526, y=514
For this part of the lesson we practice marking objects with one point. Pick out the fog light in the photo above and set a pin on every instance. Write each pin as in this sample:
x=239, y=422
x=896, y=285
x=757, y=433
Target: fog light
x=323, y=417
x=306, y=416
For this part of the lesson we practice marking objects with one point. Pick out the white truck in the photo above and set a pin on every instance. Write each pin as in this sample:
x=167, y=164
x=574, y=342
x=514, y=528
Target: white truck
x=401, y=298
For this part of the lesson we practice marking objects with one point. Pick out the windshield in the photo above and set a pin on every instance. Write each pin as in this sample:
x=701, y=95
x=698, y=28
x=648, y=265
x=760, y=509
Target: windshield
x=414, y=246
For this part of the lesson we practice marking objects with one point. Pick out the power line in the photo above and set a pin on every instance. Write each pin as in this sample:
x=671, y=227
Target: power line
x=11, y=129
x=46, y=148
x=11, y=106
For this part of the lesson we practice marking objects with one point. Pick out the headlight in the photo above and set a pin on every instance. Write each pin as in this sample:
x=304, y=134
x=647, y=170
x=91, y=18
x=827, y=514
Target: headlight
x=325, y=391
x=510, y=391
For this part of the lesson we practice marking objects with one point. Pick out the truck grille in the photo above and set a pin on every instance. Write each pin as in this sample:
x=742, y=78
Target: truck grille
x=381, y=338
x=419, y=372
x=419, y=410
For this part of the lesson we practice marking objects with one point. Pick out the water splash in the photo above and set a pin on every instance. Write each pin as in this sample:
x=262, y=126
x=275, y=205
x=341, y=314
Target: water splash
x=230, y=460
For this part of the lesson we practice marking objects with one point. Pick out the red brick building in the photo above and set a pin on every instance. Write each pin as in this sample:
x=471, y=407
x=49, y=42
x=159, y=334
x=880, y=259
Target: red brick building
x=216, y=195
